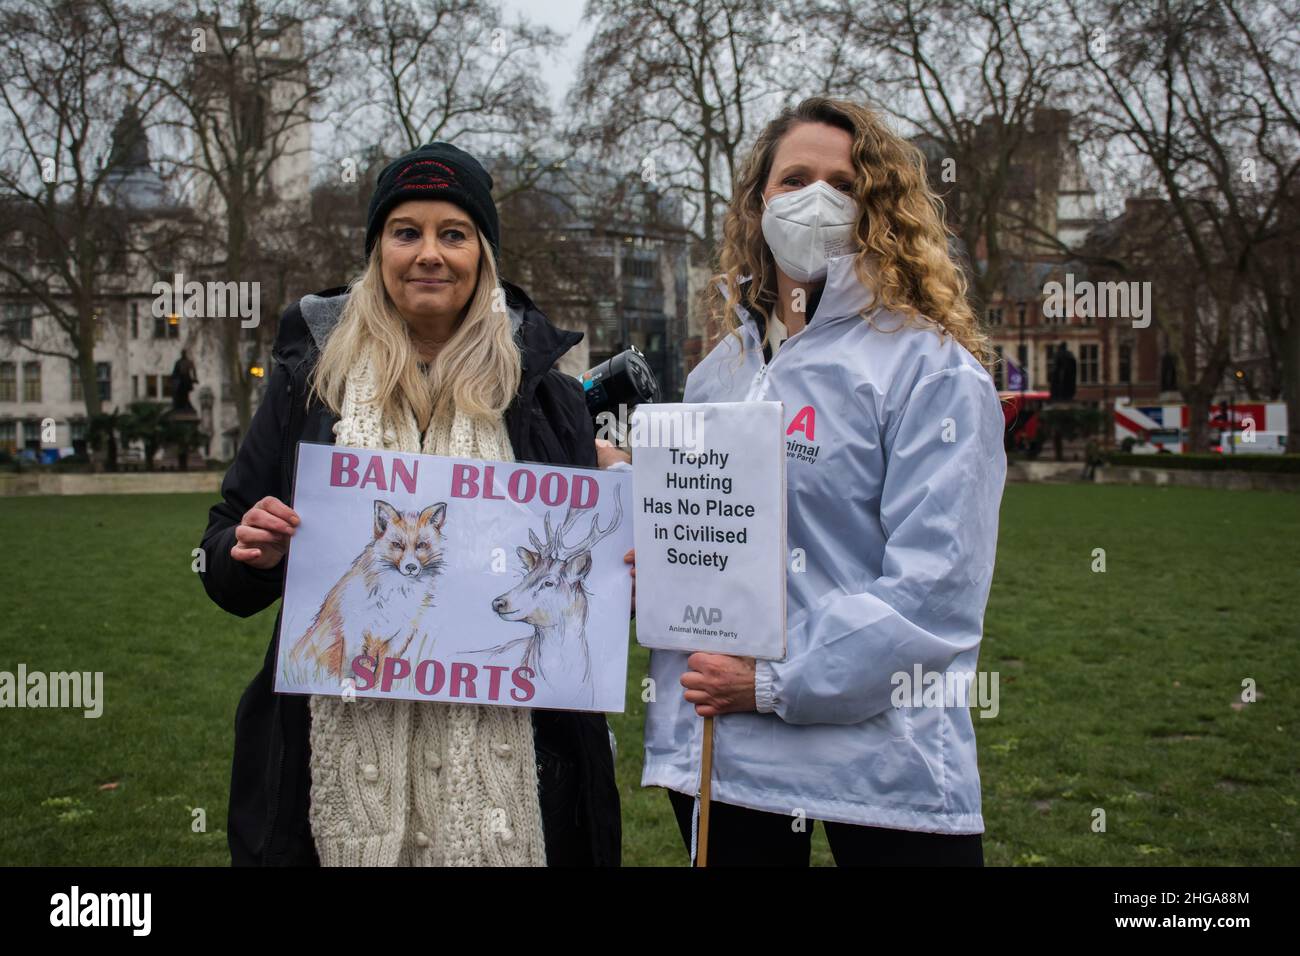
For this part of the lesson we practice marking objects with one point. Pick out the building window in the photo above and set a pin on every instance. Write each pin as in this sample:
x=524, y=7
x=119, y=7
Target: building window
x=1126, y=363
x=1020, y=313
x=18, y=319
x=77, y=430
x=31, y=381
x=999, y=369
x=167, y=327
x=638, y=268
x=104, y=379
x=157, y=386
x=32, y=435
x=995, y=316
x=1088, y=364
x=8, y=382
x=9, y=437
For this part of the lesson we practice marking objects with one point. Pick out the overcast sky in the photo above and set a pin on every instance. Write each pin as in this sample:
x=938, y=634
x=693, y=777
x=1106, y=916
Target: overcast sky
x=565, y=17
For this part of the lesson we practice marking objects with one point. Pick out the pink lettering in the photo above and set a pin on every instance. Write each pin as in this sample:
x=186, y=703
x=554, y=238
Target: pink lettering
x=374, y=475
x=439, y=675
x=395, y=668
x=555, y=481
x=407, y=478
x=464, y=481
x=523, y=689
x=488, y=474
x=462, y=680
x=805, y=420
x=585, y=492
x=343, y=469
x=494, y=681
x=530, y=486
x=364, y=667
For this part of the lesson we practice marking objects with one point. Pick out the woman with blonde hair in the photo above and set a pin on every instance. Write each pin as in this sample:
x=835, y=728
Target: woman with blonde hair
x=842, y=301
x=427, y=351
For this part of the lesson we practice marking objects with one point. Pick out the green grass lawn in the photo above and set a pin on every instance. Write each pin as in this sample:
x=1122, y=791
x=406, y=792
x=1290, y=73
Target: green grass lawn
x=1120, y=691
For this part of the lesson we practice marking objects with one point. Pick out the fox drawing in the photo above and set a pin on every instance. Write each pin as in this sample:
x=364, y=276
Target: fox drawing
x=376, y=608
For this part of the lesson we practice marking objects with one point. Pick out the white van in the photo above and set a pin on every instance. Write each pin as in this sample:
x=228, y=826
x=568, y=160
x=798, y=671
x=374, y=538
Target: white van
x=1265, y=443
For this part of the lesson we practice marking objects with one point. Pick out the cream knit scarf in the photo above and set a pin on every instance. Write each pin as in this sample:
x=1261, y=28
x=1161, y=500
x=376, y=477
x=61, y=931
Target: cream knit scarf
x=422, y=783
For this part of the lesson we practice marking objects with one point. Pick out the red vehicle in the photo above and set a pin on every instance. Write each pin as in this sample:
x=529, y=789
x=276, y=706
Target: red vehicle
x=1020, y=412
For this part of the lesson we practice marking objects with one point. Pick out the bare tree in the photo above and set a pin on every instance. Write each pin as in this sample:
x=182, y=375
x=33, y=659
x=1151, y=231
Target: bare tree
x=968, y=79
x=451, y=70
x=670, y=88
x=241, y=80
x=67, y=238
x=1202, y=95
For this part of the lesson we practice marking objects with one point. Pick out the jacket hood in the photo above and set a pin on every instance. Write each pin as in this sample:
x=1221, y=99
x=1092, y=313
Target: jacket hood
x=842, y=296
x=541, y=342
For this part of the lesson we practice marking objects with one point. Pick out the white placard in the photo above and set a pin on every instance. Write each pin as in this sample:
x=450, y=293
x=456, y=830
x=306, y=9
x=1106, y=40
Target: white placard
x=709, y=520
x=420, y=577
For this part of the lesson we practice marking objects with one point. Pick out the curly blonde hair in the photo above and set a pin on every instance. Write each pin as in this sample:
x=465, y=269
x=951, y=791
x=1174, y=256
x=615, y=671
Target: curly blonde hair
x=903, y=242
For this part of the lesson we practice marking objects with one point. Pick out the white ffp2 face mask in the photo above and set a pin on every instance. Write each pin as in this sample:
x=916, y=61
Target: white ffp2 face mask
x=806, y=227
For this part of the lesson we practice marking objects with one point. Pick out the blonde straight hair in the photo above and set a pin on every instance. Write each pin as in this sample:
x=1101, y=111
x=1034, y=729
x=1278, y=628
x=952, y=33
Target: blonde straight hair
x=477, y=372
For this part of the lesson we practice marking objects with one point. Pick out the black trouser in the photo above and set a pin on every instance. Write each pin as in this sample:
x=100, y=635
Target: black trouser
x=739, y=836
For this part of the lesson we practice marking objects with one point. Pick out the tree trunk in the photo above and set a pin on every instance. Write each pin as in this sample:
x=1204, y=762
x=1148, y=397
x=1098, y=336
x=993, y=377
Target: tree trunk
x=1291, y=380
x=85, y=346
x=1198, y=416
x=241, y=381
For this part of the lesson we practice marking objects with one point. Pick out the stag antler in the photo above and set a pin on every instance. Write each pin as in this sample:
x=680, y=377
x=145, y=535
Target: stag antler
x=553, y=544
x=595, y=535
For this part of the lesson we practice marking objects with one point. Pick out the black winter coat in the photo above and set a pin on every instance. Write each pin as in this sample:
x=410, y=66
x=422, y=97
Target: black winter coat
x=270, y=784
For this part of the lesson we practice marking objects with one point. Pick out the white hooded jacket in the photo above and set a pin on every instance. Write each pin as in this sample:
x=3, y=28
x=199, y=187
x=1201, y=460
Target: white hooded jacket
x=895, y=468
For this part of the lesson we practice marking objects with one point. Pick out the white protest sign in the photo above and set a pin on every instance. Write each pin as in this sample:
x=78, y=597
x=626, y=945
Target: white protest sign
x=419, y=577
x=709, y=520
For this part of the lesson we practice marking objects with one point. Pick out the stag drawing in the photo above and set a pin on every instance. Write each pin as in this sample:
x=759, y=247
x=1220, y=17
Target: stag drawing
x=552, y=597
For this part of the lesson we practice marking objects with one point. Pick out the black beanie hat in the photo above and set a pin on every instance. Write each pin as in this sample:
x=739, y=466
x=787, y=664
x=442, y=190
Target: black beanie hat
x=435, y=171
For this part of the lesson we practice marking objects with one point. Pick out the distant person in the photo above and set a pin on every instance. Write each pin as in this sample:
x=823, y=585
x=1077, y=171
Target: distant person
x=1092, y=458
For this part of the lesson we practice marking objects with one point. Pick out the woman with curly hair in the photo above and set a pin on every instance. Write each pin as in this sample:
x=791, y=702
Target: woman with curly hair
x=844, y=304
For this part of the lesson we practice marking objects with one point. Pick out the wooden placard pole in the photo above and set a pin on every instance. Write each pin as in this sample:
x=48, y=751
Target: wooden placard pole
x=706, y=780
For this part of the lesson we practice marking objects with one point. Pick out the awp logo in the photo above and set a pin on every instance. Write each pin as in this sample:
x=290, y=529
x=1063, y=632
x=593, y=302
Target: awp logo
x=701, y=615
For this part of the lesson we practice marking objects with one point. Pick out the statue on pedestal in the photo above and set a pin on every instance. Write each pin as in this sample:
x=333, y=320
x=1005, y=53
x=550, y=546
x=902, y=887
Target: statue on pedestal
x=184, y=378
x=1063, y=374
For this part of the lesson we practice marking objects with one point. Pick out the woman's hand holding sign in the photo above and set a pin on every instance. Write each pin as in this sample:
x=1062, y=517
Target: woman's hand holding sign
x=719, y=684
x=607, y=454
x=262, y=537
